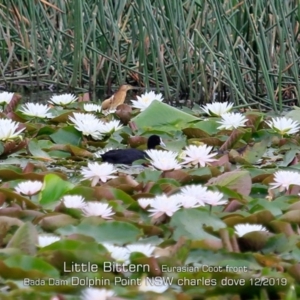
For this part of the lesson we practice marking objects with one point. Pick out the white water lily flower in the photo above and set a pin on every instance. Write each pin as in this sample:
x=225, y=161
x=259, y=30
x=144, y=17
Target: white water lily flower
x=45, y=240
x=144, y=202
x=98, y=209
x=6, y=97
x=283, y=180
x=109, y=111
x=110, y=126
x=217, y=108
x=189, y=201
x=195, y=191
x=36, y=110
x=198, y=155
x=74, y=201
x=83, y=118
x=98, y=153
x=92, y=293
x=29, y=187
x=8, y=130
x=119, y=254
x=88, y=124
x=163, y=204
x=151, y=285
x=232, y=121
x=214, y=198
x=96, y=172
x=146, y=249
x=146, y=99
x=163, y=160
x=242, y=229
x=284, y=125
x=63, y=99
x=91, y=107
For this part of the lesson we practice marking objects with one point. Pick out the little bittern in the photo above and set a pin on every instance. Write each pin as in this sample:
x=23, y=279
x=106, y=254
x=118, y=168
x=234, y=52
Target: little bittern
x=117, y=98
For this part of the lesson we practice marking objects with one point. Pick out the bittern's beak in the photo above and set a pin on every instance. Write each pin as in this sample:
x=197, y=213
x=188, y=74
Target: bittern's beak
x=136, y=88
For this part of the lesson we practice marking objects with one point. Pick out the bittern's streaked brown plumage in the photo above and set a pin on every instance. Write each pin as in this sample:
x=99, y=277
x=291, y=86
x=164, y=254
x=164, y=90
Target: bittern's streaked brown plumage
x=117, y=98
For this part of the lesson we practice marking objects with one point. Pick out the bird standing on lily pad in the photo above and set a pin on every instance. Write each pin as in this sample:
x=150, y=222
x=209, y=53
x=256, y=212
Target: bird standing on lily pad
x=117, y=98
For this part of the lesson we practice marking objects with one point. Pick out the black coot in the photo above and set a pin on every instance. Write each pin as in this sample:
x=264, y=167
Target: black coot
x=128, y=156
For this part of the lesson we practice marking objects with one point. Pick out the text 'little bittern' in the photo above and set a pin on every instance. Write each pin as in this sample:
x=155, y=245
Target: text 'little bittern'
x=117, y=98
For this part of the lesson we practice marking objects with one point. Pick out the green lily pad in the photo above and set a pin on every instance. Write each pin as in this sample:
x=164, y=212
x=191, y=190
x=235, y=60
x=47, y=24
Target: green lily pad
x=251, y=153
x=111, y=232
x=190, y=223
x=67, y=135
x=159, y=114
x=209, y=126
x=294, y=114
x=25, y=239
x=239, y=181
x=54, y=188
x=29, y=263
x=35, y=150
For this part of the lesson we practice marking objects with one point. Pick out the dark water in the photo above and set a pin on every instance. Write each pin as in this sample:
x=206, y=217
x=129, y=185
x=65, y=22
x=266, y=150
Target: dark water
x=43, y=96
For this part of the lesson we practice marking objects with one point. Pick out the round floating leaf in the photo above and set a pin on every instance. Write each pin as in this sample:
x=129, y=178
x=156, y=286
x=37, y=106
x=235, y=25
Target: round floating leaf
x=25, y=239
x=6, y=223
x=164, y=115
x=1, y=148
x=121, y=195
x=190, y=223
x=111, y=231
x=148, y=176
x=54, y=189
x=46, y=130
x=177, y=175
x=65, y=245
x=126, y=183
x=263, y=217
x=17, y=273
x=289, y=156
x=294, y=270
x=239, y=181
x=281, y=227
x=62, y=118
x=195, y=133
x=14, y=212
x=294, y=114
x=76, y=151
x=254, y=241
x=67, y=135
x=8, y=174
x=22, y=201
x=250, y=154
x=53, y=221
x=211, y=141
x=29, y=263
x=137, y=142
x=204, y=172
x=59, y=154
x=13, y=146
x=36, y=151
x=292, y=216
x=209, y=126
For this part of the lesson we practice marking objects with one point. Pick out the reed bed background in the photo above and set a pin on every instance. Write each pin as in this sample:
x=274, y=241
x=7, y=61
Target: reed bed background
x=246, y=52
